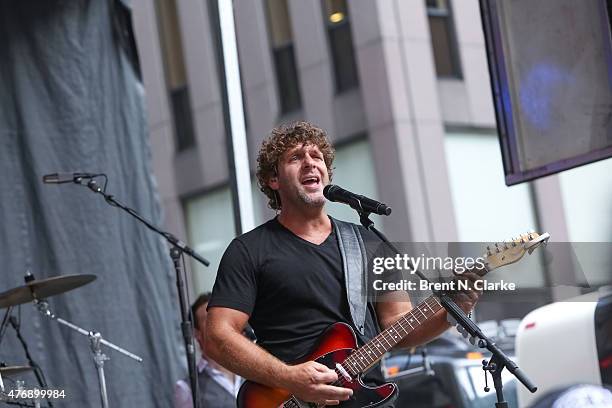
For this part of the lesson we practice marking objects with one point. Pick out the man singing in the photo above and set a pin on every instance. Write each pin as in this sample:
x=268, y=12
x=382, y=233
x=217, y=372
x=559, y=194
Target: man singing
x=287, y=279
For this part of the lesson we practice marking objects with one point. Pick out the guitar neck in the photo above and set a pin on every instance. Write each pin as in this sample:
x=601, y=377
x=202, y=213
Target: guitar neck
x=366, y=356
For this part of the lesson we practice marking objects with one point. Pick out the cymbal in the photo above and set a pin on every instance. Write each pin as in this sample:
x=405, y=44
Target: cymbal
x=12, y=370
x=43, y=288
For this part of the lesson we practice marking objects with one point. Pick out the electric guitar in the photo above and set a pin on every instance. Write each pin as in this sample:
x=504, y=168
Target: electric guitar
x=337, y=346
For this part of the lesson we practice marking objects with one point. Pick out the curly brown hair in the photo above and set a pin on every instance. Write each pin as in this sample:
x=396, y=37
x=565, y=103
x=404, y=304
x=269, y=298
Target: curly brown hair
x=281, y=139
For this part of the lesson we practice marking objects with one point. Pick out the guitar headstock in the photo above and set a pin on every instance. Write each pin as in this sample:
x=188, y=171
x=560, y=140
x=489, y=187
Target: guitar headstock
x=505, y=253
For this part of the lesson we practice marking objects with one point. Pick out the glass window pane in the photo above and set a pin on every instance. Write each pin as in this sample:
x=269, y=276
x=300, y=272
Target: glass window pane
x=210, y=225
x=340, y=44
x=335, y=11
x=440, y=38
x=210, y=229
x=281, y=42
x=354, y=171
x=587, y=201
x=280, y=23
x=443, y=39
x=183, y=122
x=341, y=47
x=172, y=46
x=486, y=210
x=438, y=5
x=287, y=79
x=176, y=74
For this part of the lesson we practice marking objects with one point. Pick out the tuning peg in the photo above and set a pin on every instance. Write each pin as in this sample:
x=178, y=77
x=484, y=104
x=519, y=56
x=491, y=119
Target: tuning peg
x=473, y=340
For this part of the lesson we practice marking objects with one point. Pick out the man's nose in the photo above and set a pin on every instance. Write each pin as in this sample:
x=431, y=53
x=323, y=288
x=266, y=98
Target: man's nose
x=308, y=161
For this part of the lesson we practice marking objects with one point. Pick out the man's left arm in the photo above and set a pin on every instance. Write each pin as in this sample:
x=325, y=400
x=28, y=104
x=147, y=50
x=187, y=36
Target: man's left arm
x=391, y=306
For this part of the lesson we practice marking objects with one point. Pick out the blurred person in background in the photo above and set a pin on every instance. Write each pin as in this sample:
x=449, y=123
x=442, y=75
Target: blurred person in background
x=217, y=386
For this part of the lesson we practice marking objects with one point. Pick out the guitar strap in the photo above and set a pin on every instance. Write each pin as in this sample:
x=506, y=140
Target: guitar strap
x=354, y=264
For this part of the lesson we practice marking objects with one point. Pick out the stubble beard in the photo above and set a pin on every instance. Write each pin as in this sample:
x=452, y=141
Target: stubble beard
x=313, y=202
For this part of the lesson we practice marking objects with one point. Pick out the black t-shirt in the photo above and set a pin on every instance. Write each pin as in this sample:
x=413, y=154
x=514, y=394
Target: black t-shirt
x=291, y=288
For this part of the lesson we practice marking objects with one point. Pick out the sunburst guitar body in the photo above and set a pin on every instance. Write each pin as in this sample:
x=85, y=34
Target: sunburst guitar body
x=333, y=348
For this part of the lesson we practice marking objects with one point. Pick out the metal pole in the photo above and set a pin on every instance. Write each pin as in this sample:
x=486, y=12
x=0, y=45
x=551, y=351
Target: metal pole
x=99, y=359
x=234, y=120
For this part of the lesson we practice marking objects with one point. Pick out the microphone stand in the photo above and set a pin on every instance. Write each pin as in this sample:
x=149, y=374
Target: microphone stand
x=178, y=247
x=499, y=360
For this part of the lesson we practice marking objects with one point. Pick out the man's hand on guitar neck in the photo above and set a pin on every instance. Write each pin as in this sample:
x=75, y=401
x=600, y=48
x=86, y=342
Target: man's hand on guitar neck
x=310, y=382
x=467, y=299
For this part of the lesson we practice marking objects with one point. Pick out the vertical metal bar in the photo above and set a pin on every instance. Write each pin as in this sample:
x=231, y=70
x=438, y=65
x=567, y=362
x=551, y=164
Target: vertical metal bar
x=238, y=159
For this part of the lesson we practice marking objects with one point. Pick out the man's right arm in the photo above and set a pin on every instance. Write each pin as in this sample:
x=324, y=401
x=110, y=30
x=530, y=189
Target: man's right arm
x=226, y=345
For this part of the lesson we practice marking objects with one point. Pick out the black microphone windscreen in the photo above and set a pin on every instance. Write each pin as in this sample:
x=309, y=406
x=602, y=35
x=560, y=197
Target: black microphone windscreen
x=329, y=190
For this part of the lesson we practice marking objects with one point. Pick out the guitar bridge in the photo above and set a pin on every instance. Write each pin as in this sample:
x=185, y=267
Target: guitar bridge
x=343, y=372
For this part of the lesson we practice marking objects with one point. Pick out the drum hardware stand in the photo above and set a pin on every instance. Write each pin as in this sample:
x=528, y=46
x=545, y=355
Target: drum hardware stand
x=4, y=324
x=37, y=370
x=95, y=340
x=4, y=397
x=3, y=327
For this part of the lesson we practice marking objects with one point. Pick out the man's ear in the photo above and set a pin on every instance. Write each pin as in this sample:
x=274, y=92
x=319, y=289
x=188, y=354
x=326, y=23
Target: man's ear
x=273, y=183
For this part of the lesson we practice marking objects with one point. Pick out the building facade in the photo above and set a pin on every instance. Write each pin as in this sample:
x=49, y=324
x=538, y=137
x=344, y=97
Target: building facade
x=403, y=89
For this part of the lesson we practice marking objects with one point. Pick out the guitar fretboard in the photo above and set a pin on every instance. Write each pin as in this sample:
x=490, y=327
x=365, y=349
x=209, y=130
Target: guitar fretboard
x=364, y=357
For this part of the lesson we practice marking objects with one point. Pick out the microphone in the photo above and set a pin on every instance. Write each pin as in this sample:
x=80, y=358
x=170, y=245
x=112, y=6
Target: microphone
x=61, y=178
x=356, y=201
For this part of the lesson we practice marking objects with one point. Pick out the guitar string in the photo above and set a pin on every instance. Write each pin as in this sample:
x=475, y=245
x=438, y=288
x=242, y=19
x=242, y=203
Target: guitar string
x=428, y=302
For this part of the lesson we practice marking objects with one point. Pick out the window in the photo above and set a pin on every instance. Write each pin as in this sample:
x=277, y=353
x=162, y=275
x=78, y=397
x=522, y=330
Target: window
x=176, y=76
x=341, y=44
x=281, y=42
x=485, y=209
x=587, y=201
x=210, y=228
x=444, y=43
x=354, y=171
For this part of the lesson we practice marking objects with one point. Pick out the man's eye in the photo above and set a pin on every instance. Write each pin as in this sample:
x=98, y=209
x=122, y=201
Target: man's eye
x=293, y=158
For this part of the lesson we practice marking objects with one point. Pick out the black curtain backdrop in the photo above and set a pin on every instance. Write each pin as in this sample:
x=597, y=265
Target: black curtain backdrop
x=71, y=100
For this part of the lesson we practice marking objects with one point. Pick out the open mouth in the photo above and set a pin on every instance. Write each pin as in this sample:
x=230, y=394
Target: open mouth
x=311, y=181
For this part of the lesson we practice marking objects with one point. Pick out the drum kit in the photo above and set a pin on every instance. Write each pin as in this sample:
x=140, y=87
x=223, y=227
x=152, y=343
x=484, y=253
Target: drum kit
x=37, y=291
